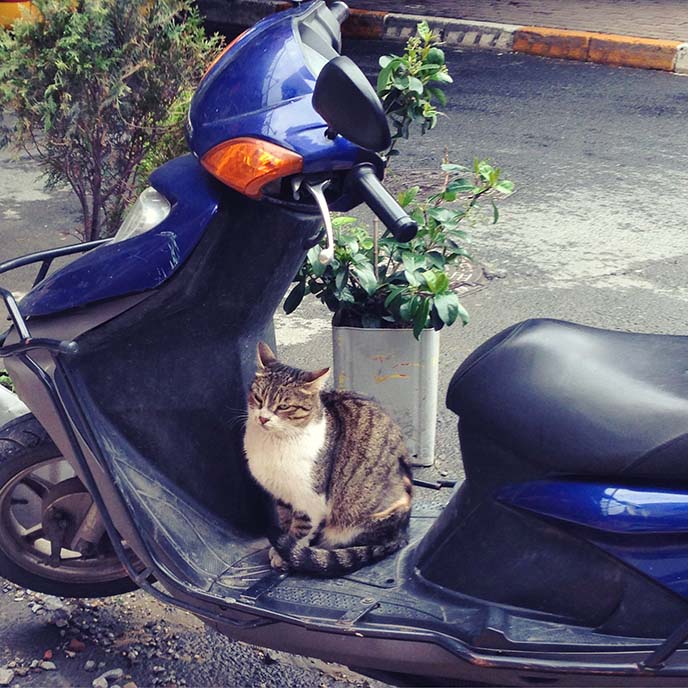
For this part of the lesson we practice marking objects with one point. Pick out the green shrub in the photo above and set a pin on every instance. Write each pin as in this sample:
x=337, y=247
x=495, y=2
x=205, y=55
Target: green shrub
x=90, y=84
x=378, y=281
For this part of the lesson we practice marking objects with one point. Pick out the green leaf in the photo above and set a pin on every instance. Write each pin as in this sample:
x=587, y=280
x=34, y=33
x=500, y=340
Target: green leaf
x=345, y=296
x=385, y=60
x=437, y=281
x=420, y=319
x=412, y=278
x=436, y=56
x=437, y=93
x=295, y=297
x=505, y=186
x=408, y=308
x=442, y=214
x=407, y=197
x=343, y=220
x=462, y=185
x=415, y=85
x=436, y=259
x=341, y=279
x=317, y=268
x=495, y=213
x=463, y=314
x=447, y=306
x=453, y=167
x=401, y=82
x=386, y=73
x=423, y=29
x=394, y=292
x=443, y=77
x=366, y=276
x=412, y=261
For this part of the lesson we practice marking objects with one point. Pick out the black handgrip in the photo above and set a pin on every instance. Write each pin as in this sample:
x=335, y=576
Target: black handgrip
x=366, y=184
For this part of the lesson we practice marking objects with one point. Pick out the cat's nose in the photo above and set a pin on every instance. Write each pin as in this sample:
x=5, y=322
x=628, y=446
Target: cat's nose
x=263, y=420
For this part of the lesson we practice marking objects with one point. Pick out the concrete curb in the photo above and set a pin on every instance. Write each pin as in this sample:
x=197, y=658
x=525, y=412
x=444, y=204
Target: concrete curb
x=586, y=46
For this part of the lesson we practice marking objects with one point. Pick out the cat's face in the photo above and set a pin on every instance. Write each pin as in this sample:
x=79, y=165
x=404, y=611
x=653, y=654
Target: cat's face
x=283, y=400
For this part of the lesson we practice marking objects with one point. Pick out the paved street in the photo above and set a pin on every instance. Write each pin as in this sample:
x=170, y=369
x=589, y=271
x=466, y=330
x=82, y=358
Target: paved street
x=649, y=18
x=595, y=234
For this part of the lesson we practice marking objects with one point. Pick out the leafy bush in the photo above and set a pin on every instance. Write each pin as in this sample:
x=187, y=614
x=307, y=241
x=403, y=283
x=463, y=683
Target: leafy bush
x=90, y=84
x=407, y=84
x=381, y=282
x=378, y=281
x=172, y=140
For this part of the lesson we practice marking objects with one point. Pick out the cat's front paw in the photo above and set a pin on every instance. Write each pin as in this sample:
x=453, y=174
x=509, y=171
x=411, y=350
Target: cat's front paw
x=276, y=560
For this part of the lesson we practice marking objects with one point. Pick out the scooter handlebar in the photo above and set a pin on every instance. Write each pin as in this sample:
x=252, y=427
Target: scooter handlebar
x=391, y=214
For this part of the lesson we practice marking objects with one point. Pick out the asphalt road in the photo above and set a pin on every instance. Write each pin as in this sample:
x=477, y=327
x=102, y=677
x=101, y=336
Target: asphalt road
x=594, y=234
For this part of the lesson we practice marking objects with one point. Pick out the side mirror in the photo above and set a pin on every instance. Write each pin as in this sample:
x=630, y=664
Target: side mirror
x=344, y=98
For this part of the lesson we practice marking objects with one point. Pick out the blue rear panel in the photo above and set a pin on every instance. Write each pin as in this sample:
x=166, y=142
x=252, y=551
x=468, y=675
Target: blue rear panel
x=646, y=527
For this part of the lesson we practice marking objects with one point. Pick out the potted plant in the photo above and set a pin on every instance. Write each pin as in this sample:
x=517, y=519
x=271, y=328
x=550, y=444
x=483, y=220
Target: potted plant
x=390, y=299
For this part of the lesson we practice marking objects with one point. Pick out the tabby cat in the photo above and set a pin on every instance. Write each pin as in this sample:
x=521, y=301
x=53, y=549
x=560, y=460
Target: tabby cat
x=334, y=463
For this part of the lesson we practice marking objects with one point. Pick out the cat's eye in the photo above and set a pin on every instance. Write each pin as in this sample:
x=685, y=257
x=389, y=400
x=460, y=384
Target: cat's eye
x=256, y=398
x=284, y=407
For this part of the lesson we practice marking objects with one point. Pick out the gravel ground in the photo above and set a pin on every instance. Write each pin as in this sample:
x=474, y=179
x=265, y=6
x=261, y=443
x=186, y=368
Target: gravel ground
x=132, y=640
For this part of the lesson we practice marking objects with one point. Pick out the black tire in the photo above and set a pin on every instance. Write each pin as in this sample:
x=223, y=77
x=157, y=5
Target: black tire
x=24, y=443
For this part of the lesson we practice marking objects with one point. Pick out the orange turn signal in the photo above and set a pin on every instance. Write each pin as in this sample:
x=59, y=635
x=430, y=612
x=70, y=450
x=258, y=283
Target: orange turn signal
x=248, y=164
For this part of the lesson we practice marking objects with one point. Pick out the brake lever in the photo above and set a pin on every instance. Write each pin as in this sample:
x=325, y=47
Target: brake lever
x=317, y=190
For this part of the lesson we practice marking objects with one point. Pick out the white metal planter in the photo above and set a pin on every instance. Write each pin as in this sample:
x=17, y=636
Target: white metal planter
x=400, y=372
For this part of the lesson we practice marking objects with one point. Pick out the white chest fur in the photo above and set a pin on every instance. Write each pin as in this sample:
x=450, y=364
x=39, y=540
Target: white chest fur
x=283, y=465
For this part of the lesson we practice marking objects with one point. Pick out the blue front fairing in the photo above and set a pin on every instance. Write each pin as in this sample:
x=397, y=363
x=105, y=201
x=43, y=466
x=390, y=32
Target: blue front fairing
x=263, y=88
x=143, y=262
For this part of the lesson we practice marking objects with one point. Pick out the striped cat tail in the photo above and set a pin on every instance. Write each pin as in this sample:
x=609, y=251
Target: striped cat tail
x=318, y=561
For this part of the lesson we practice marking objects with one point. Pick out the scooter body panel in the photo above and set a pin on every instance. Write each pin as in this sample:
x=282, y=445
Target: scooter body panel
x=142, y=262
x=645, y=527
x=619, y=509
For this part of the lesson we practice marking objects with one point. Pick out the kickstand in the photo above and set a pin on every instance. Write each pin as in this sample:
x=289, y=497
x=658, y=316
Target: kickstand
x=434, y=485
x=657, y=659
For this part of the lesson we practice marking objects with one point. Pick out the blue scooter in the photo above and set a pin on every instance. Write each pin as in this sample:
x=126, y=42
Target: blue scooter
x=561, y=560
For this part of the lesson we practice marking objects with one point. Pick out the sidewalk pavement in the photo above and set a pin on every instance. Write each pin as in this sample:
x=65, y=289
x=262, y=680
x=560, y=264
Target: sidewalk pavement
x=650, y=34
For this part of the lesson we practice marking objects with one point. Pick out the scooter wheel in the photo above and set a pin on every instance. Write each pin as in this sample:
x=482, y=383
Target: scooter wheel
x=42, y=507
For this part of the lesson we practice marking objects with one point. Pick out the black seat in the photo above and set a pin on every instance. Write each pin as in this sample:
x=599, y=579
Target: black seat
x=580, y=401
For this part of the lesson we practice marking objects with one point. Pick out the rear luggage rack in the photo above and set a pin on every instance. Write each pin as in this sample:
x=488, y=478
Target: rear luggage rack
x=26, y=341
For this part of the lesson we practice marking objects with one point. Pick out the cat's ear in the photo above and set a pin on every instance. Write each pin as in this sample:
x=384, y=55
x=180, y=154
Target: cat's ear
x=264, y=356
x=315, y=381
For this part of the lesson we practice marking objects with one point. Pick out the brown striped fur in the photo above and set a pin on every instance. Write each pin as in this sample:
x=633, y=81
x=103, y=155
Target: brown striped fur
x=362, y=473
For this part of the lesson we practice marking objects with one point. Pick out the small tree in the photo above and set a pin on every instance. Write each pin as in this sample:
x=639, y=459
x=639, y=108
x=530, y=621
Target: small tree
x=90, y=84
